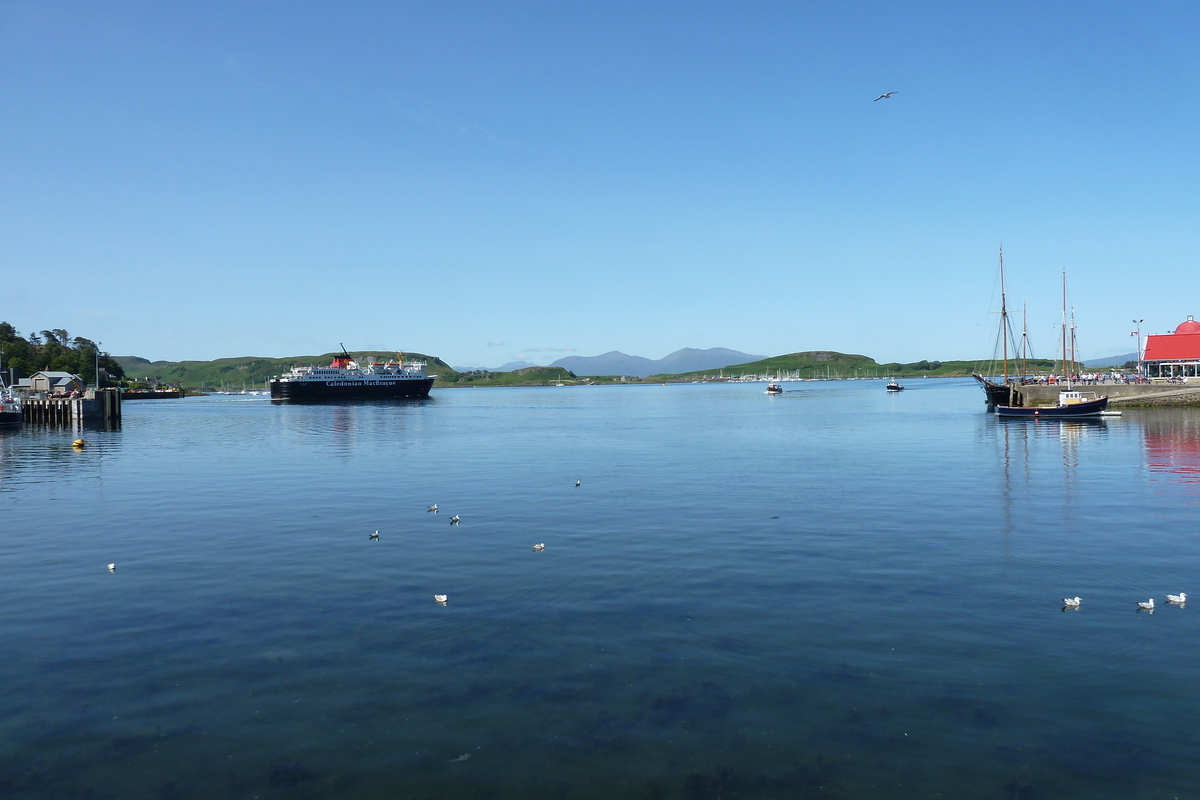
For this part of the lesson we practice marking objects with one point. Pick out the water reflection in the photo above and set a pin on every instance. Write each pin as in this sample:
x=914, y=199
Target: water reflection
x=44, y=453
x=1172, y=444
x=1041, y=455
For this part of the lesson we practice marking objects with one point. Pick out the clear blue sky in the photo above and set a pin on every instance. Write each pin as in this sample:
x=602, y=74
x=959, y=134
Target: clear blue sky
x=496, y=180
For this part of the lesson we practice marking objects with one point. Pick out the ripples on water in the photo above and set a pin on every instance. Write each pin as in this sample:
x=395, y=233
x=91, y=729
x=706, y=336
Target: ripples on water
x=835, y=593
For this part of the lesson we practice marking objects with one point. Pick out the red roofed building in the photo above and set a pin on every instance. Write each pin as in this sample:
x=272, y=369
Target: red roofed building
x=1174, y=355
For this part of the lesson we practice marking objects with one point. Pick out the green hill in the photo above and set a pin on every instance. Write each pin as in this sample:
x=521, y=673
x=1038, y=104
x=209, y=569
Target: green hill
x=529, y=376
x=809, y=364
x=830, y=364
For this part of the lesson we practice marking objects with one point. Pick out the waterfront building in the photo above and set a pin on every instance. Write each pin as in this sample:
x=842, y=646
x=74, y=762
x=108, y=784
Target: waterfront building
x=1174, y=355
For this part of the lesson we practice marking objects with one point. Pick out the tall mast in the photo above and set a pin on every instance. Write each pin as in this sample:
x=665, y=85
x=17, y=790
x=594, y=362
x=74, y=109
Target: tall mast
x=1024, y=341
x=1072, y=338
x=1003, y=316
x=1064, y=329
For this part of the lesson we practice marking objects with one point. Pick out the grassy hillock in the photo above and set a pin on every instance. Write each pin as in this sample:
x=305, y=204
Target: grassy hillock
x=529, y=376
x=830, y=364
x=809, y=364
x=961, y=369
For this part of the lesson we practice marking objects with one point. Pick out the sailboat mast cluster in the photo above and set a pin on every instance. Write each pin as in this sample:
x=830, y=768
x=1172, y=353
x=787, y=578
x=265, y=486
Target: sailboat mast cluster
x=1007, y=401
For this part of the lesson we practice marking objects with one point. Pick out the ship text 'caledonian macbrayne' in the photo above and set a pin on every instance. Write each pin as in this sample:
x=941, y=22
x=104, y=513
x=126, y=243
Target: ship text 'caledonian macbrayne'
x=344, y=379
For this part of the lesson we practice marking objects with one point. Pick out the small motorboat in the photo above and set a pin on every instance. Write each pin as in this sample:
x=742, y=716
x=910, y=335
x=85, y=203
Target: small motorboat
x=774, y=388
x=894, y=387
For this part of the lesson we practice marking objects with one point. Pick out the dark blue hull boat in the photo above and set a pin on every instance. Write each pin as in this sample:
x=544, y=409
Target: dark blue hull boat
x=1071, y=405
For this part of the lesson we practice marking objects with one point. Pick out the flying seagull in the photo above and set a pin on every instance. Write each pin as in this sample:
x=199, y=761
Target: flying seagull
x=375, y=536
x=884, y=95
x=1071, y=602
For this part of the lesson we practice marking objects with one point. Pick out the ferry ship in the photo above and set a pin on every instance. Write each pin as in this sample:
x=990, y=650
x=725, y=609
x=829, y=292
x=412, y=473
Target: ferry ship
x=344, y=379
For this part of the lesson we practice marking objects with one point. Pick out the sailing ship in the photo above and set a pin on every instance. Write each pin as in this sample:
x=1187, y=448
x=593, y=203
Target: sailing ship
x=1005, y=392
x=1071, y=404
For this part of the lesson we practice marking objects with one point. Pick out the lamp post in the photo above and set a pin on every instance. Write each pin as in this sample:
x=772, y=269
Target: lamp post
x=1138, y=334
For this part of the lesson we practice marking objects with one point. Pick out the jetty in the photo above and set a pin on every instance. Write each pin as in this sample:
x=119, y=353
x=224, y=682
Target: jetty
x=102, y=405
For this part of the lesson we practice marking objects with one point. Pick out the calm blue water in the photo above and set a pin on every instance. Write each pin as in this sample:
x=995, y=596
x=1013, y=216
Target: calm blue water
x=834, y=593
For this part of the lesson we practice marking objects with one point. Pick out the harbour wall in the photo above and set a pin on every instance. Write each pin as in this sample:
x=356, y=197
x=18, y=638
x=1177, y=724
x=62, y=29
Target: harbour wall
x=104, y=405
x=1121, y=394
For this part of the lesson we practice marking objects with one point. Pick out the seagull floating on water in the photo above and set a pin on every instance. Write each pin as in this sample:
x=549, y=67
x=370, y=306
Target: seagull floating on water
x=538, y=547
x=375, y=536
x=454, y=520
x=1071, y=602
x=1148, y=605
x=432, y=508
x=112, y=567
x=883, y=96
x=576, y=484
x=1179, y=599
x=440, y=598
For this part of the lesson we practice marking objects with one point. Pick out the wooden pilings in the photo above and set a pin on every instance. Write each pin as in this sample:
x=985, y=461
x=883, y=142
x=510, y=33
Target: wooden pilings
x=53, y=410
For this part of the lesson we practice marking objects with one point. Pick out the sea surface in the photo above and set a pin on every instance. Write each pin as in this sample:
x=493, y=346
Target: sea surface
x=833, y=593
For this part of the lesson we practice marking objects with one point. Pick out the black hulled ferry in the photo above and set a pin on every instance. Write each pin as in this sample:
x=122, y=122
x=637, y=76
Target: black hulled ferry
x=344, y=379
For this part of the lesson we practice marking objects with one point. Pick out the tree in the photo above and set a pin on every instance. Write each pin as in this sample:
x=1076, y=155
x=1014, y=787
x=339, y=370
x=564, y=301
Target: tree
x=54, y=350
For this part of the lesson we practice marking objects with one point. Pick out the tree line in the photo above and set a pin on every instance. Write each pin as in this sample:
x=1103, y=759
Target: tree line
x=54, y=351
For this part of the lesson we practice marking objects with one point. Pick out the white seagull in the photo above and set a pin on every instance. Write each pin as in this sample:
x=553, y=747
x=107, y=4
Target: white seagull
x=883, y=96
x=1071, y=602
x=576, y=484
x=432, y=508
x=440, y=598
x=375, y=536
x=112, y=567
x=454, y=520
x=1148, y=605
x=538, y=547
x=1180, y=598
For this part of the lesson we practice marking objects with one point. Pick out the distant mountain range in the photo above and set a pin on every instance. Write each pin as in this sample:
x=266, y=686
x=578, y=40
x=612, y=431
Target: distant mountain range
x=1111, y=361
x=688, y=359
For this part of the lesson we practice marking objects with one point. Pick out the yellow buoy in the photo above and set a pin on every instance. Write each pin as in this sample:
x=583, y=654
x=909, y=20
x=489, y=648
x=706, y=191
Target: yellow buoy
x=78, y=444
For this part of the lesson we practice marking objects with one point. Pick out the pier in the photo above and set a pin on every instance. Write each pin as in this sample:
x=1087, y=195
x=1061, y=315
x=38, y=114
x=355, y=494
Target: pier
x=103, y=405
x=1133, y=394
